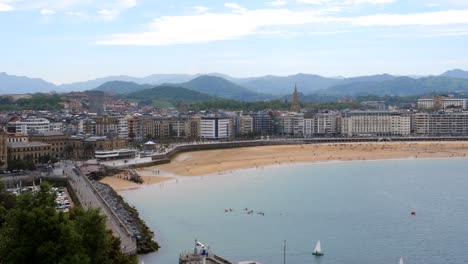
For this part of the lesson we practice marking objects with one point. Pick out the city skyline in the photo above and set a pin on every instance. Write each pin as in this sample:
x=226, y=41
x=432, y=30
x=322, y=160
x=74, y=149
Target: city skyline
x=72, y=41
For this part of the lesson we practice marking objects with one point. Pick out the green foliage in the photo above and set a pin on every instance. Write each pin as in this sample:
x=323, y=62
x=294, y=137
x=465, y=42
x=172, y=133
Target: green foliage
x=24, y=164
x=121, y=87
x=32, y=231
x=238, y=105
x=170, y=94
x=401, y=86
x=334, y=105
x=219, y=87
x=36, y=102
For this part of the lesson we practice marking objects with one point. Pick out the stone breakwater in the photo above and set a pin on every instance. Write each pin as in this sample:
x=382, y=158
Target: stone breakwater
x=129, y=217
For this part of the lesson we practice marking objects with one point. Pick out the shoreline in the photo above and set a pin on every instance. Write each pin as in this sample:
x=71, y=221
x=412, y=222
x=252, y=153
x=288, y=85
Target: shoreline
x=224, y=161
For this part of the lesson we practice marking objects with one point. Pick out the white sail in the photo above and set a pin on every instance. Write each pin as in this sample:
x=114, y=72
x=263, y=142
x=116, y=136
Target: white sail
x=401, y=260
x=318, y=248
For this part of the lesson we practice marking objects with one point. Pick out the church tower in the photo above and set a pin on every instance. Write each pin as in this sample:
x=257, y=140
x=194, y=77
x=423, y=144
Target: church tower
x=295, y=106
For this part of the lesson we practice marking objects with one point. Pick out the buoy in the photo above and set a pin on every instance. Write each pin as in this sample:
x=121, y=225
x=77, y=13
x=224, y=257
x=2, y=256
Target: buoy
x=413, y=212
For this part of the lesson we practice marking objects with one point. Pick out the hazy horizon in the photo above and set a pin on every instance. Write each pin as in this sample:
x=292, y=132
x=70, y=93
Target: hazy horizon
x=71, y=41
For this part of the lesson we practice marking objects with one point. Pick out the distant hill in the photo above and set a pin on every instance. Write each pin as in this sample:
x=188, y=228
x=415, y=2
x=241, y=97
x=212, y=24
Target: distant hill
x=170, y=94
x=278, y=85
x=306, y=83
x=219, y=87
x=151, y=79
x=457, y=73
x=401, y=86
x=12, y=84
x=120, y=87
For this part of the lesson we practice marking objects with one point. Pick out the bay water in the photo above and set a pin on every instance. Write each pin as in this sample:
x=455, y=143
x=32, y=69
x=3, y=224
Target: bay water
x=361, y=212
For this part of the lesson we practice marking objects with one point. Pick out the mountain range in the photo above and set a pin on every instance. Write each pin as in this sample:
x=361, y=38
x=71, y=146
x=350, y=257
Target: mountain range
x=254, y=88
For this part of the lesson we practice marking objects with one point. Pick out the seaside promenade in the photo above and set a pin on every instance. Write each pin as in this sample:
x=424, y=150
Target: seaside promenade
x=89, y=197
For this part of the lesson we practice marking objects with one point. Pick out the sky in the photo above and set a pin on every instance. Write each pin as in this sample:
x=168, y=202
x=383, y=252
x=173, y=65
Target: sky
x=67, y=41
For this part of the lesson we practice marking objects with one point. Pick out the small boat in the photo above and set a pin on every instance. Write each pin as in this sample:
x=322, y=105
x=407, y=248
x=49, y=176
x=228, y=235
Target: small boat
x=401, y=260
x=318, y=250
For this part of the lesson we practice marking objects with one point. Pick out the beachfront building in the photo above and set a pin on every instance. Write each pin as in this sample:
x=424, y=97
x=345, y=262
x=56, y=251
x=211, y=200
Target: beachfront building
x=263, y=123
x=246, y=126
x=31, y=125
x=442, y=123
x=442, y=103
x=215, y=127
x=320, y=124
x=84, y=147
x=375, y=123
x=291, y=124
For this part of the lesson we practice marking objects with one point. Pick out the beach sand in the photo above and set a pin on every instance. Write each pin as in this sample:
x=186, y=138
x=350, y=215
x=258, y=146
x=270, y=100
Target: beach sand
x=119, y=184
x=225, y=160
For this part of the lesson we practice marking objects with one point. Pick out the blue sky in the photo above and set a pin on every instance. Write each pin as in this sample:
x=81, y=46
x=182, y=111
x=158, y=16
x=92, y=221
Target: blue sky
x=75, y=40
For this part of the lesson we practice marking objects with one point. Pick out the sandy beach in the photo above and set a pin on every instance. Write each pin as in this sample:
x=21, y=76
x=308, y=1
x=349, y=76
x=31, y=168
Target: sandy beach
x=225, y=160
x=119, y=184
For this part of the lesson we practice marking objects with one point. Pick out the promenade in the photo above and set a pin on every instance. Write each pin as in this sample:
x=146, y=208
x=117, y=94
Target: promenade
x=89, y=197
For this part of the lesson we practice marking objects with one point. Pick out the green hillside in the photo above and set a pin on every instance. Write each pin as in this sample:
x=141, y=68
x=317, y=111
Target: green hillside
x=171, y=95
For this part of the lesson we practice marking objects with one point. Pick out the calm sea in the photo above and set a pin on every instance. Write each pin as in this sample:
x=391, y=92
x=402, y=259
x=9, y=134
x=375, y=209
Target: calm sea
x=359, y=210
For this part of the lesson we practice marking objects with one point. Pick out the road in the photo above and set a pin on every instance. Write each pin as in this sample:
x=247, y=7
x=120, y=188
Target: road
x=89, y=198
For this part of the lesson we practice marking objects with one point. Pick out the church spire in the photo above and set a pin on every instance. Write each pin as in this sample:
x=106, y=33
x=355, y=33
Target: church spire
x=295, y=106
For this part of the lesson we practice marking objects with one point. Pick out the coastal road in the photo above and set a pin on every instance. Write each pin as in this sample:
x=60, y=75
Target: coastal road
x=90, y=198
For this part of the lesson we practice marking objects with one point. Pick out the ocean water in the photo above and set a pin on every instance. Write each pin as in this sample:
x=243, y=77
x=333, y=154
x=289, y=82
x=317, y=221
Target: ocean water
x=359, y=210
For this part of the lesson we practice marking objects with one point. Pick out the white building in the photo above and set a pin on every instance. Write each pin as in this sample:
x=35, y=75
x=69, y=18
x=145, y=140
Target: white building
x=291, y=123
x=32, y=125
x=215, y=127
x=320, y=124
x=375, y=123
x=122, y=128
x=427, y=104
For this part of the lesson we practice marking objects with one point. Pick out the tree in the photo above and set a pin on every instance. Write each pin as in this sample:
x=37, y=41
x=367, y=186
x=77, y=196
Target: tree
x=34, y=232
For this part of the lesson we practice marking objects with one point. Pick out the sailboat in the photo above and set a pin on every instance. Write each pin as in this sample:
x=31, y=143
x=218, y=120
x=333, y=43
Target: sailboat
x=401, y=260
x=317, y=250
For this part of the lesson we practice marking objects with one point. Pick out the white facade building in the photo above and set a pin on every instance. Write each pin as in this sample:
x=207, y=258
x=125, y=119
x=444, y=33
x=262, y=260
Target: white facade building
x=32, y=125
x=375, y=123
x=122, y=128
x=320, y=124
x=427, y=104
x=215, y=127
x=291, y=123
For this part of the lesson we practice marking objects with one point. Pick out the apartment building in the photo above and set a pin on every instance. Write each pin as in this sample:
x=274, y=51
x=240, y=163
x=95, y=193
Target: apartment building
x=215, y=127
x=442, y=123
x=320, y=124
x=31, y=125
x=375, y=123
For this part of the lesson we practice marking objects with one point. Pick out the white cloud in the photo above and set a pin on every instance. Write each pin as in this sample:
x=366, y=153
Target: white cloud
x=430, y=18
x=315, y=2
x=206, y=27
x=345, y=2
x=353, y=2
x=201, y=9
x=278, y=3
x=47, y=12
x=108, y=14
x=235, y=7
x=5, y=5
